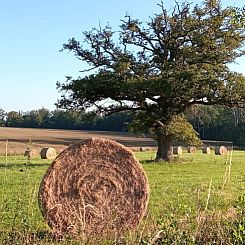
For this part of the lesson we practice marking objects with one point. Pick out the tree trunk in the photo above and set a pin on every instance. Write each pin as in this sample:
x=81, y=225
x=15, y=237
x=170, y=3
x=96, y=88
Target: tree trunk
x=164, y=150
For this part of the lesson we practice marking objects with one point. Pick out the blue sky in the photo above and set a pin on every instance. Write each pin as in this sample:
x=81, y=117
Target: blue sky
x=33, y=32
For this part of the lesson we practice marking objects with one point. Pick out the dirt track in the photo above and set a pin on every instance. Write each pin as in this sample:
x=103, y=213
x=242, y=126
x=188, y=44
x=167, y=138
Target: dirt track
x=18, y=138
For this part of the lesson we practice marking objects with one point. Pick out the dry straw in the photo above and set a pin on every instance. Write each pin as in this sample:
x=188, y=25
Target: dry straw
x=206, y=150
x=48, y=153
x=191, y=149
x=221, y=150
x=177, y=150
x=31, y=153
x=94, y=188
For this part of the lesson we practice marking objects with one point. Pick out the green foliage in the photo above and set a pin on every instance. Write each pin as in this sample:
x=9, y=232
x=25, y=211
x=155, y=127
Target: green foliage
x=180, y=59
x=156, y=70
x=65, y=119
x=2, y=117
x=13, y=119
x=36, y=118
x=218, y=123
x=140, y=124
x=209, y=116
x=238, y=15
x=179, y=129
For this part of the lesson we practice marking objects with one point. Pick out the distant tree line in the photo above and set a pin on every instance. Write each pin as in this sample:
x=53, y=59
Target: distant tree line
x=218, y=123
x=64, y=119
x=211, y=122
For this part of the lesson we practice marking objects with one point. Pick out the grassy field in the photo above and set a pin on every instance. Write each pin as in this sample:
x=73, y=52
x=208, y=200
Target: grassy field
x=197, y=199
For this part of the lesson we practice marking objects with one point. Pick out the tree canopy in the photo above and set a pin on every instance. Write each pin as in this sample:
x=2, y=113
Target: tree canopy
x=156, y=70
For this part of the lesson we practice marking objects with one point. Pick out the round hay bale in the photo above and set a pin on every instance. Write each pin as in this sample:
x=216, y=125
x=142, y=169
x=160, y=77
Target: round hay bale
x=31, y=153
x=191, y=149
x=177, y=150
x=94, y=188
x=206, y=150
x=221, y=150
x=48, y=153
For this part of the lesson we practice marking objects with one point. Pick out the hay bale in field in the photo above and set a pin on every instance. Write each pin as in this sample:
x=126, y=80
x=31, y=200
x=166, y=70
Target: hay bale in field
x=229, y=148
x=221, y=150
x=31, y=153
x=206, y=150
x=177, y=150
x=191, y=149
x=94, y=188
x=48, y=153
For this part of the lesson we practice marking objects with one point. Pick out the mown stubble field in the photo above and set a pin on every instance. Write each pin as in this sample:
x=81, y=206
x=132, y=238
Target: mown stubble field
x=18, y=138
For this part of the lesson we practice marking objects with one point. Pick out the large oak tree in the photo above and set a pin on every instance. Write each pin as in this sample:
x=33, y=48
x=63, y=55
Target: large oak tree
x=156, y=70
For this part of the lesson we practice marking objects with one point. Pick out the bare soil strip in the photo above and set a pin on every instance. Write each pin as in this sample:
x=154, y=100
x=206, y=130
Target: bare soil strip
x=17, y=139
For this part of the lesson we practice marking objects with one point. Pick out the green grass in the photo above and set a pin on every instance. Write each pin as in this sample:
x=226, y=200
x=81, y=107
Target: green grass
x=194, y=192
x=188, y=178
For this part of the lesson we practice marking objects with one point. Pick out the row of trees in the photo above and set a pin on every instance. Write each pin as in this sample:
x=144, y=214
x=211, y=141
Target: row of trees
x=212, y=123
x=63, y=119
x=218, y=123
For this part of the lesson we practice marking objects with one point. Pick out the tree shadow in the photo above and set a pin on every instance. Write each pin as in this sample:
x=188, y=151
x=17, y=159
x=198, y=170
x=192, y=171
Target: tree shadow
x=148, y=161
x=23, y=165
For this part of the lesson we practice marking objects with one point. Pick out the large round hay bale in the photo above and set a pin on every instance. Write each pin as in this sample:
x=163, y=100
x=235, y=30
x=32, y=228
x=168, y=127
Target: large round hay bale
x=94, y=188
x=191, y=149
x=31, y=153
x=206, y=150
x=48, y=153
x=177, y=150
x=220, y=150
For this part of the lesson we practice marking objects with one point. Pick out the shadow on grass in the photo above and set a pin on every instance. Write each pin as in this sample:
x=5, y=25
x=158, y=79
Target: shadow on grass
x=149, y=161
x=23, y=165
x=175, y=160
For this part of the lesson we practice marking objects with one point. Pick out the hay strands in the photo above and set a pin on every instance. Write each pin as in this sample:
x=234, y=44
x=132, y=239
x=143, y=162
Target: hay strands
x=95, y=187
